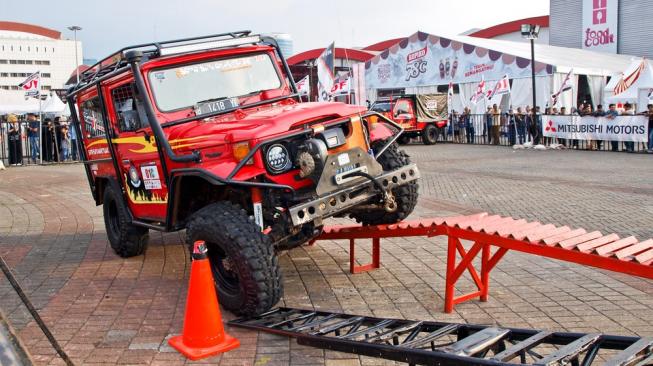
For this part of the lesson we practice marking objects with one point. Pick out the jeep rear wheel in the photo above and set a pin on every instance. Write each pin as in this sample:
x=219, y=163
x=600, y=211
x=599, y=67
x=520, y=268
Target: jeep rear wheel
x=126, y=239
x=405, y=195
x=245, y=269
x=430, y=135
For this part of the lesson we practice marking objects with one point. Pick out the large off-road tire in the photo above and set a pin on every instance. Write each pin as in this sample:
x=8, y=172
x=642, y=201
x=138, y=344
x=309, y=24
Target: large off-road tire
x=403, y=140
x=245, y=269
x=405, y=195
x=430, y=135
x=127, y=240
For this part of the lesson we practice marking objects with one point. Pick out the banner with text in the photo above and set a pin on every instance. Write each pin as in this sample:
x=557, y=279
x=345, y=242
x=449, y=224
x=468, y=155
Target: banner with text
x=621, y=128
x=424, y=60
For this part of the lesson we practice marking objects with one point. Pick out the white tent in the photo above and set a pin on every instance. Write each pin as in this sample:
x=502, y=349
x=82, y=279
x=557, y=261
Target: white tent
x=17, y=104
x=638, y=92
x=54, y=105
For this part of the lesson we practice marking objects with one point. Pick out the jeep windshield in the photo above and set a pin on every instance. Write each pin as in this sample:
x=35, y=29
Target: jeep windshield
x=192, y=85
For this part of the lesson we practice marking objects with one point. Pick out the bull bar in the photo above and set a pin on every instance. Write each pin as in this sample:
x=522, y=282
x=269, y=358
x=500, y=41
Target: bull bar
x=340, y=200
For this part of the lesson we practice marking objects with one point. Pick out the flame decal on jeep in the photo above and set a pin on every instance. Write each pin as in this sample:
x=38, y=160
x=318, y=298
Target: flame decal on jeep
x=145, y=146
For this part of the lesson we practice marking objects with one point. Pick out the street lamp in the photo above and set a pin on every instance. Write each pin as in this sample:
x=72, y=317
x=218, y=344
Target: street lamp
x=531, y=31
x=76, y=28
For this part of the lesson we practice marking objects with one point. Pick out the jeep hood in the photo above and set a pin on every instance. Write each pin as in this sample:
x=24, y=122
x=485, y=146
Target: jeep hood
x=259, y=123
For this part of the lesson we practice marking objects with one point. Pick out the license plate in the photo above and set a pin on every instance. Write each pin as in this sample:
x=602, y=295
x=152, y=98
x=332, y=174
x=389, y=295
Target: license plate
x=216, y=106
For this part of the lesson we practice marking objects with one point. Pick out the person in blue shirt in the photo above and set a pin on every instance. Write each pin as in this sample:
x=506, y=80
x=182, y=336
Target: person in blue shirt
x=33, y=136
x=611, y=114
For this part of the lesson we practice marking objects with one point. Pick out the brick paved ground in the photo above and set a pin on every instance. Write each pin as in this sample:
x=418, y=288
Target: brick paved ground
x=105, y=309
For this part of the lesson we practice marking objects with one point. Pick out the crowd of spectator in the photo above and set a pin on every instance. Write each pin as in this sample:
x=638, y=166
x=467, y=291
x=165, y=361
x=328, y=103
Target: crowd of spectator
x=517, y=126
x=53, y=138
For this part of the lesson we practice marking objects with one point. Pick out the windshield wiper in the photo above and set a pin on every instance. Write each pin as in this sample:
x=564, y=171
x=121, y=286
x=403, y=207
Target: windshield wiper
x=211, y=100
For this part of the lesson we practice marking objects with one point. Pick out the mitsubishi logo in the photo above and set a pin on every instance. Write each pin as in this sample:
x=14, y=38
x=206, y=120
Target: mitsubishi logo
x=550, y=127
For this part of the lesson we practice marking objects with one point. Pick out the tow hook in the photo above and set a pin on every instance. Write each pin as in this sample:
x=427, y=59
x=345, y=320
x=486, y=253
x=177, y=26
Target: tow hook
x=389, y=202
x=387, y=198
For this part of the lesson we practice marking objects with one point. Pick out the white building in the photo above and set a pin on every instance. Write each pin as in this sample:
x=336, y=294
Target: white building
x=25, y=49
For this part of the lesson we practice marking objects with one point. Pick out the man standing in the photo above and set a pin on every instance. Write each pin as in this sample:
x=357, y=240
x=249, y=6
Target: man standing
x=496, y=124
x=599, y=112
x=33, y=134
x=611, y=114
x=628, y=111
x=487, y=128
x=521, y=126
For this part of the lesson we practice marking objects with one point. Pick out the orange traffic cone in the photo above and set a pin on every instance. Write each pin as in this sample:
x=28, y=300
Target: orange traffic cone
x=203, y=334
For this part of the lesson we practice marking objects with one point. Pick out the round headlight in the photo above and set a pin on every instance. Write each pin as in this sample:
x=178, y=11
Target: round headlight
x=278, y=158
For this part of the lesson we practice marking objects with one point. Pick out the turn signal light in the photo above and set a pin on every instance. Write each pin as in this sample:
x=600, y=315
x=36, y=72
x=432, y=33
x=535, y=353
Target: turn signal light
x=241, y=149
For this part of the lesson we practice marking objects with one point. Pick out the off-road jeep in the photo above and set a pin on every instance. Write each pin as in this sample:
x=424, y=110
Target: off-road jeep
x=208, y=134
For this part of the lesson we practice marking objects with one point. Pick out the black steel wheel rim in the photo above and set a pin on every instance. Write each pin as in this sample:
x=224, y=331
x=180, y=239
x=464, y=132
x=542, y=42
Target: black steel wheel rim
x=113, y=219
x=225, y=275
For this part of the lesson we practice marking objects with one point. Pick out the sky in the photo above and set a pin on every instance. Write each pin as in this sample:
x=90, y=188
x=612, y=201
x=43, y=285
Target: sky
x=113, y=24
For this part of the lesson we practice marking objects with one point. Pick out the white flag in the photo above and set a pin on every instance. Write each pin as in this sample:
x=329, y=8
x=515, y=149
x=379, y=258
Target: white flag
x=501, y=87
x=325, y=78
x=341, y=87
x=566, y=85
x=32, y=85
x=480, y=92
x=303, y=85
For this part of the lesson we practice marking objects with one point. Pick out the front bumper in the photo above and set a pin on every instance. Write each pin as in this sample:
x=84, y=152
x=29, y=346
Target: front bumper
x=340, y=200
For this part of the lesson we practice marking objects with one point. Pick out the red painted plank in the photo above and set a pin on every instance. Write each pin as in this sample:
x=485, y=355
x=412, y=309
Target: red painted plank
x=634, y=249
x=553, y=240
x=609, y=248
x=508, y=227
x=487, y=220
x=570, y=243
x=523, y=225
x=492, y=227
x=588, y=246
x=521, y=235
x=473, y=219
x=536, y=238
x=645, y=256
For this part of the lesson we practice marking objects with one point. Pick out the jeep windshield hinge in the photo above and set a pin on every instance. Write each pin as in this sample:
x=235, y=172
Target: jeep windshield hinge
x=134, y=58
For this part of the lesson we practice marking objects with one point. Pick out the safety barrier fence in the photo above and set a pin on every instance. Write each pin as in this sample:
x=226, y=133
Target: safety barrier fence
x=16, y=145
x=478, y=130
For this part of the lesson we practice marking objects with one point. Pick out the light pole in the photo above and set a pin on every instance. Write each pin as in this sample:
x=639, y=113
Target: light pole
x=531, y=31
x=76, y=28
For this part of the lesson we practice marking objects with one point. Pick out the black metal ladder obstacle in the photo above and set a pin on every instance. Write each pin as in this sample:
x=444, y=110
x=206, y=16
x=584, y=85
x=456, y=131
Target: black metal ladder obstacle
x=437, y=343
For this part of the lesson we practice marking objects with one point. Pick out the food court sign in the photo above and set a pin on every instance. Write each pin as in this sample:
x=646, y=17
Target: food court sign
x=424, y=59
x=600, y=25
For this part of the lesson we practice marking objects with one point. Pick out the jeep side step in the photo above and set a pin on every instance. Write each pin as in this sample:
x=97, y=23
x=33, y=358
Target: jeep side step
x=437, y=343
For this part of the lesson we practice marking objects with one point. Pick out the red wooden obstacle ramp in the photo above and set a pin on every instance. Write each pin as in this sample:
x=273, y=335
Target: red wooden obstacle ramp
x=609, y=252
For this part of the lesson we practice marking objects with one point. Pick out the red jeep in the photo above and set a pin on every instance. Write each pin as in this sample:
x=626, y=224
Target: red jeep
x=208, y=134
x=422, y=115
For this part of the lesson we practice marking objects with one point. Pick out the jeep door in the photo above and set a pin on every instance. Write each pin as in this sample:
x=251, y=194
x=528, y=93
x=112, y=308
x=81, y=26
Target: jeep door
x=403, y=112
x=138, y=158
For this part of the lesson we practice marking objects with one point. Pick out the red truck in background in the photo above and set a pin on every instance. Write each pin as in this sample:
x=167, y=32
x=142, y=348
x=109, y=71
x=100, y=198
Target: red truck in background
x=420, y=115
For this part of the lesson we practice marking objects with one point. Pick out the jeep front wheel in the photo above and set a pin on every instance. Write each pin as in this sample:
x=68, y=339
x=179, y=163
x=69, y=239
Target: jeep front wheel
x=126, y=239
x=245, y=269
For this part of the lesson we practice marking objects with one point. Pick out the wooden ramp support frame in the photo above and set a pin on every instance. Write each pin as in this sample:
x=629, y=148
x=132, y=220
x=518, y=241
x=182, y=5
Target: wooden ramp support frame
x=593, y=249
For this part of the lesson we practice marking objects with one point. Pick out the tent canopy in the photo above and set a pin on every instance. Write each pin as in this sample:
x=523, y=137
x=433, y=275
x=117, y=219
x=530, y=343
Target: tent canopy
x=563, y=59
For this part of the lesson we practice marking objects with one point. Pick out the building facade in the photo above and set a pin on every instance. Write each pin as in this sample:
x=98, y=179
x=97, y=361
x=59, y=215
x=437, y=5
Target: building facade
x=624, y=24
x=25, y=49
